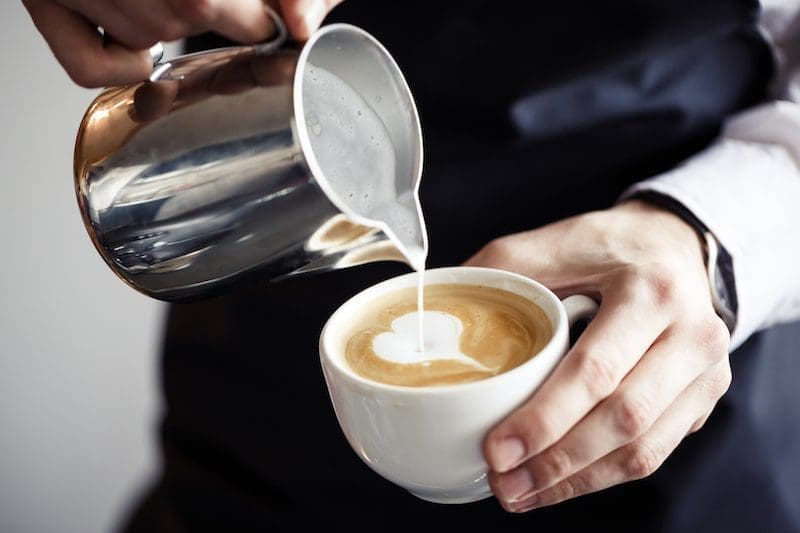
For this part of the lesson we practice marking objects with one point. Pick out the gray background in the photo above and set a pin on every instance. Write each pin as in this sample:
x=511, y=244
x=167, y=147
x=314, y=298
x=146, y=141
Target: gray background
x=78, y=348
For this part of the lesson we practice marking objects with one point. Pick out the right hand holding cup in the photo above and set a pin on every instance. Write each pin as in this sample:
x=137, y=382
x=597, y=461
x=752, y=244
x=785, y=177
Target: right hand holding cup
x=647, y=371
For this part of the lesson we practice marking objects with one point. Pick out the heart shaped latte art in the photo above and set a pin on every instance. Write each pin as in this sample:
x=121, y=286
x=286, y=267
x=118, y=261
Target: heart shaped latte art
x=442, y=338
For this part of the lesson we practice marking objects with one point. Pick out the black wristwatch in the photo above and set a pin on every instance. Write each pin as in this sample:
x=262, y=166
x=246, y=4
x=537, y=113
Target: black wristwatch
x=719, y=264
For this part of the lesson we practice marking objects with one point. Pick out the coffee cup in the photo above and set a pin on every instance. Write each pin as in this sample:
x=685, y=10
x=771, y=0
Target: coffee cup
x=427, y=439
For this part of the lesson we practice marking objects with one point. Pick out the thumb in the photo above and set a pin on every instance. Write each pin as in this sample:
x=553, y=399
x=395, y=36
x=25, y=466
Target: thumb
x=521, y=253
x=539, y=255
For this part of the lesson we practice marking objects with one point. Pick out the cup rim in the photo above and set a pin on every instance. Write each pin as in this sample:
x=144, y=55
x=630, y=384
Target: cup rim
x=560, y=335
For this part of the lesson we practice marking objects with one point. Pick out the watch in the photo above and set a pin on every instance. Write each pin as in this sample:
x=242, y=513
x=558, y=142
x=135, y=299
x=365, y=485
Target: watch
x=719, y=264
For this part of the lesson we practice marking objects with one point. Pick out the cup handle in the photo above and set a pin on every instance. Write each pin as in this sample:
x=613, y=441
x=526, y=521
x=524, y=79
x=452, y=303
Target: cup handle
x=579, y=307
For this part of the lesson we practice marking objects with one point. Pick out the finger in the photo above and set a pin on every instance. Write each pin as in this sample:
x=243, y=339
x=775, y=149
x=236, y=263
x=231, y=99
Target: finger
x=155, y=17
x=240, y=20
x=628, y=322
x=665, y=371
x=524, y=254
x=304, y=17
x=698, y=425
x=79, y=48
x=645, y=455
x=505, y=253
x=115, y=24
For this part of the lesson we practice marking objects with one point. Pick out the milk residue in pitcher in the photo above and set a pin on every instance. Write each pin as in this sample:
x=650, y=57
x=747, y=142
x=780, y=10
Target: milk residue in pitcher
x=351, y=143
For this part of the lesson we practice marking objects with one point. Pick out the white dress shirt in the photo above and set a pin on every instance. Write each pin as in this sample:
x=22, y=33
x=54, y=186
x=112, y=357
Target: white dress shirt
x=746, y=187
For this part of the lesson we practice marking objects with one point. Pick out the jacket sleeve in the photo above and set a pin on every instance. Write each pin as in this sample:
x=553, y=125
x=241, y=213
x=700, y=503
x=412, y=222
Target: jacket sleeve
x=745, y=188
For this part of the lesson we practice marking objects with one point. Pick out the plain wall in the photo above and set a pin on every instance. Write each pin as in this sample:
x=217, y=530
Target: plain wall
x=78, y=348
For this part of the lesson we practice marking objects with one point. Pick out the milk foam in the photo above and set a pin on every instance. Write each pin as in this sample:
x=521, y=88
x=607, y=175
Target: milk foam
x=442, y=338
x=357, y=155
x=464, y=325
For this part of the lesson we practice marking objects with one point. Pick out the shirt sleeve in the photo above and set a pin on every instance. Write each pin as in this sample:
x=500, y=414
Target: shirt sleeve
x=745, y=189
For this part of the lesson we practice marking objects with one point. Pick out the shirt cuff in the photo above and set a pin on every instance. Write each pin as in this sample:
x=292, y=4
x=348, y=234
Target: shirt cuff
x=747, y=193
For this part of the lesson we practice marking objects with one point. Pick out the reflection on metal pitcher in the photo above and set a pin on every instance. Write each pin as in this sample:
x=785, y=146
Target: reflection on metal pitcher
x=200, y=177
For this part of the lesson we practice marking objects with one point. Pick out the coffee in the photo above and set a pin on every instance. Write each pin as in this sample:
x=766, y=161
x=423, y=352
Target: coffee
x=472, y=332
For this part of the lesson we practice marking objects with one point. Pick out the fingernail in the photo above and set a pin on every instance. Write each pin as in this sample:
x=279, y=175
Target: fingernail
x=517, y=484
x=507, y=453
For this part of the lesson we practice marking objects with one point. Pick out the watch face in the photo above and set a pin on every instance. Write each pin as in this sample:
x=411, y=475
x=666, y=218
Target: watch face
x=721, y=281
x=722, y=291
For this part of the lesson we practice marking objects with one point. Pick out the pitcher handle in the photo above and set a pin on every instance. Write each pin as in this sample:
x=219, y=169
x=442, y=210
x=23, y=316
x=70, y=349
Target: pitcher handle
x=160, y=70
x=281, y=34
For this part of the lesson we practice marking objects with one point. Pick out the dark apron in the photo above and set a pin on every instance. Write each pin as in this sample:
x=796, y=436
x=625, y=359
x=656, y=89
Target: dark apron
x=531, y=112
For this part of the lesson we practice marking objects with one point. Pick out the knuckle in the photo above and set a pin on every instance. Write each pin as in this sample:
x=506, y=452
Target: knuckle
x=172, y=30
x=566, y=490
x=497, y=251
x=657, y=282
x=140, y=39
x=559, y=464
x=632, y=415
x=598, y=374
x=85, y=76
x=576, y=485
x=716, y=384
x=536, y=430
x=294, y=17
x=698, y=425
x=143, y=41
x=642, y=460
x=195, y=11
x=581, y=483
x=569, y=489
x=713, y=338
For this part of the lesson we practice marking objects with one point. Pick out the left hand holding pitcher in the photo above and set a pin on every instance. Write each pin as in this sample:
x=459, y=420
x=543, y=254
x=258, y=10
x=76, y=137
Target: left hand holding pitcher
x=70, y=27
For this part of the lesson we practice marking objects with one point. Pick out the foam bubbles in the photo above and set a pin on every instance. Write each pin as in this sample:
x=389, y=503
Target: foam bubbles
x=357, y=156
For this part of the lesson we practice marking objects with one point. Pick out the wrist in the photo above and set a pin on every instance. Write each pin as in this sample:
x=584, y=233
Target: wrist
x=666, y=227
x=717, y=262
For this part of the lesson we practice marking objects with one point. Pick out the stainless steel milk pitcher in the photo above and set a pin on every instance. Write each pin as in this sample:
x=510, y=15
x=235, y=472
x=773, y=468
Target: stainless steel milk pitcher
x=203, y=176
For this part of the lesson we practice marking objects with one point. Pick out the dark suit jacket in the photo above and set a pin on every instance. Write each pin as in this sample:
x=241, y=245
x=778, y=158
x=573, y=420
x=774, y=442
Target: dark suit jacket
x=531, y=112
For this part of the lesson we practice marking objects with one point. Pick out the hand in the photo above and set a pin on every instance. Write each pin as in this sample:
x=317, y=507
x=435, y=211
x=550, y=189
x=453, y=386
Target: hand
x=70, y=27
x=647, y=371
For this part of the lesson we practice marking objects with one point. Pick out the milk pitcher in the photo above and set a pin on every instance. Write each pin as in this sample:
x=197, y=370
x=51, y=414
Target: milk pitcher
x=217, y=170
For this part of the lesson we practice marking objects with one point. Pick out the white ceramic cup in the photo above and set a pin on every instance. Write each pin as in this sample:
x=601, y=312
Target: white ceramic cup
x=428, y=439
